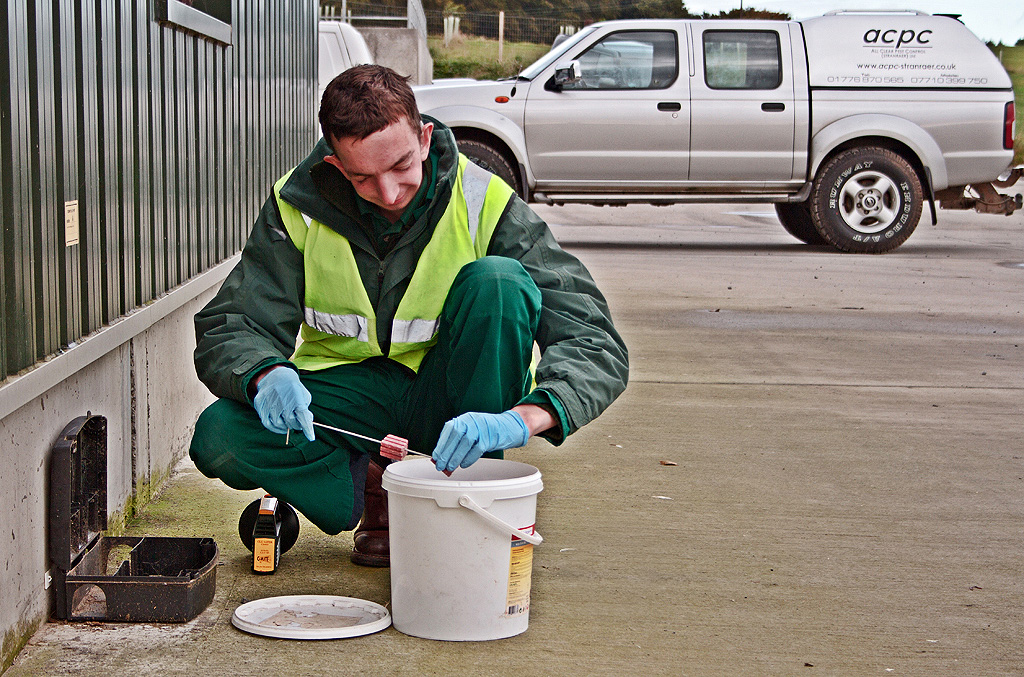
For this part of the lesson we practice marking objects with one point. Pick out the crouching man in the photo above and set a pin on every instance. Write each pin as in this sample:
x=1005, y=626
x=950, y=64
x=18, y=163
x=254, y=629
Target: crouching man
x=417, y=284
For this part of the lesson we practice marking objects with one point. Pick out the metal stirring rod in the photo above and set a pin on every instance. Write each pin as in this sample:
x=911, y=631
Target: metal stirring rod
x=352, y=434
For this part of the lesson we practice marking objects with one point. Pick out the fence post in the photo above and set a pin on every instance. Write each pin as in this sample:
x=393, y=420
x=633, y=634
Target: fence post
x=451, y=28
x=501, y=35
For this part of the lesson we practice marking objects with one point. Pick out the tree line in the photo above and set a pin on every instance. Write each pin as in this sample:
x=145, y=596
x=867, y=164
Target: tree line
x=593, y=10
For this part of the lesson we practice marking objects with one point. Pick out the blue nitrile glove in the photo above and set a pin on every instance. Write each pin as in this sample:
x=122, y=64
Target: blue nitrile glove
x=466, y=438
x=283, y=403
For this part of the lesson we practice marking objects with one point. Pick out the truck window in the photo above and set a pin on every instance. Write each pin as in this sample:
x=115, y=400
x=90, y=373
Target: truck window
x=742, y=59
x=629, y=60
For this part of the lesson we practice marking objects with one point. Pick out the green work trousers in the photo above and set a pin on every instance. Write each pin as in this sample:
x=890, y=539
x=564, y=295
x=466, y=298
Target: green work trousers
x=481, y=362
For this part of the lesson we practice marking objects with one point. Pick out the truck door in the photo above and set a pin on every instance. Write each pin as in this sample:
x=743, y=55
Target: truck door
x=742, y=104
x=625, y=123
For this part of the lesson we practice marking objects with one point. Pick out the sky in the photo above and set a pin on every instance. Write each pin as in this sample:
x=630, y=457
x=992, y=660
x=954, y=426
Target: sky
x=995, y=20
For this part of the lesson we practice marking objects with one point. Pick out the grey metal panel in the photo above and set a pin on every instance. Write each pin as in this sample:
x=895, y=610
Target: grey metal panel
x=237, y=107
x=217, y=156
x=210, y=151
x=18, y=251
x=109, y=146
x=288, y=98
x=178, y=184
x=89, y=166
x=171, y=150
x=158, y=159
x=142, y=226
x=186, y=157
x=244, y=105
x=243, y=113
x=44, y=170
x=279, y=107
x=5, y=199
x=168, y=141
x=223, y=118
x=264, y=97
x=253, y=76
x=67, y=101
x=130, y=141
x=193, y=55
x=199, y=172
x=207, y=149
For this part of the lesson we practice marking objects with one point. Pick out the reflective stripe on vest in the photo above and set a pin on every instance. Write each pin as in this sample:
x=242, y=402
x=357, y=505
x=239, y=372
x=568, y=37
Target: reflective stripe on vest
x=340, y=324
x=413, y=331
x=474, y=190
x=351, y=325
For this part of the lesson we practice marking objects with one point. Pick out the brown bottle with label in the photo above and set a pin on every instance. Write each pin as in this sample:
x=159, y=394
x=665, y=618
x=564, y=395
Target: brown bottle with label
x=266, y=550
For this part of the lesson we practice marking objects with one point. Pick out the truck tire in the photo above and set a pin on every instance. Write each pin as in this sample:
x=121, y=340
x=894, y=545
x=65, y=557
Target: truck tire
x=492, y=161
x=866, y=200
x=796, y=219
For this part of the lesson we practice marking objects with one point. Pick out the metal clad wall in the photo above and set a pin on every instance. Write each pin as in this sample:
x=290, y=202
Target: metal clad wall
x=142, y=213
x=5, y=171
x=157, y=161
x=110, y=203
x=129, y=138
x=89, y=150
x=44, y=212
x=18, y=288
x=168, y=140
x=70, y=278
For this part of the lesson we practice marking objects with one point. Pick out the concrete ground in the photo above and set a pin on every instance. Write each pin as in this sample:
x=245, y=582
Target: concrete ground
x=843, y=493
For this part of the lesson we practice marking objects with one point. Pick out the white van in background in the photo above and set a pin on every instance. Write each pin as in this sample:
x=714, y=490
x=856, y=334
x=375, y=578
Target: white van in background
x=341, y=47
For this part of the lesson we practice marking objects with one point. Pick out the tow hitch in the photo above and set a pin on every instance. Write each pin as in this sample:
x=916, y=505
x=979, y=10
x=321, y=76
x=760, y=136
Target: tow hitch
x=983, y=197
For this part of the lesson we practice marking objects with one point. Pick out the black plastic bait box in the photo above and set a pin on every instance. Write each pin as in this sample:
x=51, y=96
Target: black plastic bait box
x=115, y=578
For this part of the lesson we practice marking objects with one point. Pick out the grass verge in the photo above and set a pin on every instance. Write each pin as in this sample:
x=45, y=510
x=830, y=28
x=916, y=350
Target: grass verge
x=472, y=57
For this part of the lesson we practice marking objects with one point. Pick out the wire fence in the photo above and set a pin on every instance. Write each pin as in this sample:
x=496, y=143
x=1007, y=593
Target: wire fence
x=512, y=27
x=376, y=15
x=489, y=25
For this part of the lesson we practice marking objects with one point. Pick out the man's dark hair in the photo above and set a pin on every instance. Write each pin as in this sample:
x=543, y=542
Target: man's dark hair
x=364, y=100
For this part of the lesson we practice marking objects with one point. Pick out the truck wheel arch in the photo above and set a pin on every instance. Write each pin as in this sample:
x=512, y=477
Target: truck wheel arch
x=499, y=146
x=882, y=131
x=493, y=160
x=471, y=123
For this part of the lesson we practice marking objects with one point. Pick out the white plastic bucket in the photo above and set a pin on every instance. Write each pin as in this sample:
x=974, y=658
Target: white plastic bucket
x=462, y=548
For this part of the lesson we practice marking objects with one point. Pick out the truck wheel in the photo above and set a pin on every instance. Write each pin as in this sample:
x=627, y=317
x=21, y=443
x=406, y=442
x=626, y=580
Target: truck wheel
x=492, y=161
x=866, y=200
x=796, y=219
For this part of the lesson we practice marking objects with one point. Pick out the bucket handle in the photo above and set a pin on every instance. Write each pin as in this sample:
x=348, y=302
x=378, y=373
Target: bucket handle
x=467, y=502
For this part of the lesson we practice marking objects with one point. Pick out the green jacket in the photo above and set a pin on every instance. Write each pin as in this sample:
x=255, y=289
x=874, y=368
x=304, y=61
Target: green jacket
x=253, y=320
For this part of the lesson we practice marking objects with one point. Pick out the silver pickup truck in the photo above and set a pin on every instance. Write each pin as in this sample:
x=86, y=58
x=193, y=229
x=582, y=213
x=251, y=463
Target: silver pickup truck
x=848, y=122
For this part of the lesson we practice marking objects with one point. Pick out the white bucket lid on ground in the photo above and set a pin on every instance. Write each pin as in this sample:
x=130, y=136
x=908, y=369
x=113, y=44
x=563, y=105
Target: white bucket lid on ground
x=311, y=617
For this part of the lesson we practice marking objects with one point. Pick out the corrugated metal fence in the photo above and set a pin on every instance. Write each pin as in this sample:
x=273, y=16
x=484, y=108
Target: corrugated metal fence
x=167, y=139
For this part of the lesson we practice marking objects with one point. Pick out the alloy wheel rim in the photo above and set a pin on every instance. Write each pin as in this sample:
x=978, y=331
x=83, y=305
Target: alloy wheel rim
x=869, y=202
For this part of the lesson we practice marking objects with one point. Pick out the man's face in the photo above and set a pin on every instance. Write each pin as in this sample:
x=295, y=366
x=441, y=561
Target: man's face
x=386, y=168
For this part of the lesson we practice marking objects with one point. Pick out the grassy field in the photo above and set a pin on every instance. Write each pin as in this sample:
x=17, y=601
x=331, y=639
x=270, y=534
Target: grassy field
x=471, y=57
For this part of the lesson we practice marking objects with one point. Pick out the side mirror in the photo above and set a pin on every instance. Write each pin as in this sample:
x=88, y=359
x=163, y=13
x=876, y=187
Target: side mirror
x=566, y=73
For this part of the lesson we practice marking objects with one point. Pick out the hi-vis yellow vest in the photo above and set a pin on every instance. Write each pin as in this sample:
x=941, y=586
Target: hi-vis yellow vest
x=340, y=325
